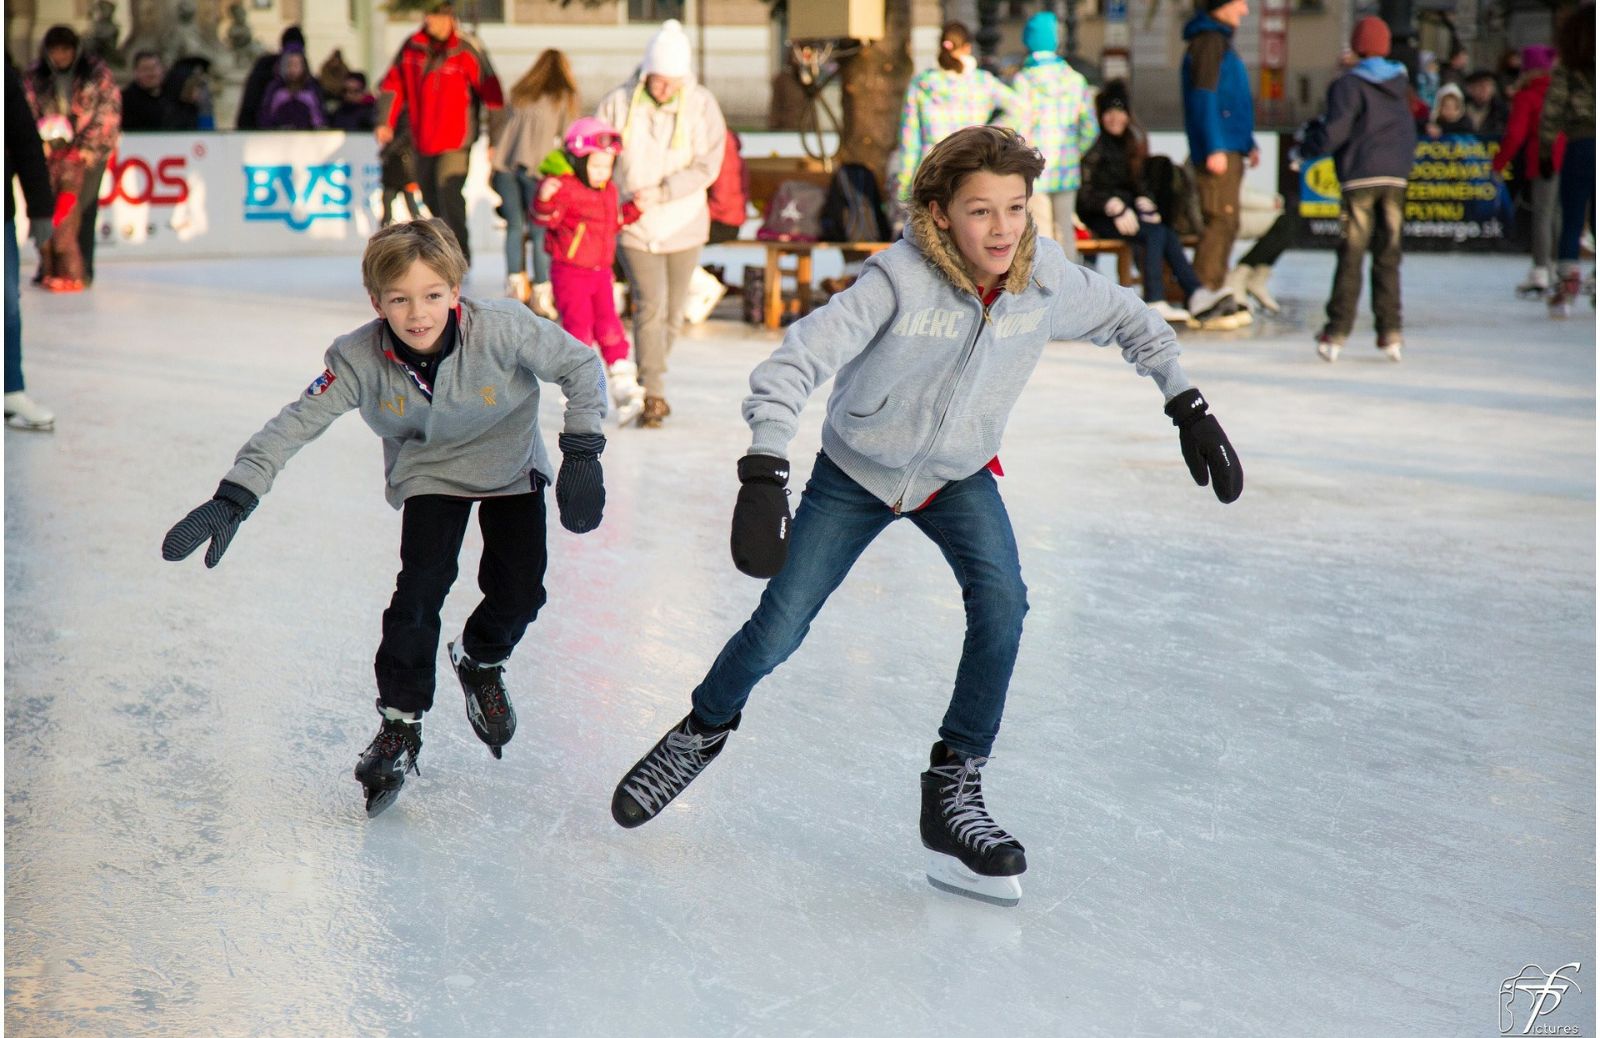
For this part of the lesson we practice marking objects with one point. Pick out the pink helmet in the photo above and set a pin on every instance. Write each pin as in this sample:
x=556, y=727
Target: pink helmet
x=589, y=135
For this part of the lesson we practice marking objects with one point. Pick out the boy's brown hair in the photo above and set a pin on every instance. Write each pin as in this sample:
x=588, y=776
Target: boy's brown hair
x=392, y=250
x=970, y=150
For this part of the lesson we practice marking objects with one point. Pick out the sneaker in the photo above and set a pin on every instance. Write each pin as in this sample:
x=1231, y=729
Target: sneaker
x=655, y=409
x=1389, y=345
x=392, y=752
x=22, y=412
x=1328, y=347
x=1169, y=313
x=488, y=707
x=669, y=767
x=518, y=287
x=969, y=853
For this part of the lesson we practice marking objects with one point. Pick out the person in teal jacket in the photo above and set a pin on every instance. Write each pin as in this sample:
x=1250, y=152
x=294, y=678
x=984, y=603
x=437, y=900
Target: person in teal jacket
x=1219, y=120
x=1054, y=111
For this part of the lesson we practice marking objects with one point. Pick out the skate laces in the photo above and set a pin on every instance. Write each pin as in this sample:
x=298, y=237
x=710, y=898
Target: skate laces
x=962, y=800
x=488, y=689
x=680, y=757
x=393, y=739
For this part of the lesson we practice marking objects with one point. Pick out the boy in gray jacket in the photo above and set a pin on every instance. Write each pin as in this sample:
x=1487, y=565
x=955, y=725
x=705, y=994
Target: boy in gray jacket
x=929, y=350
x=451, y=385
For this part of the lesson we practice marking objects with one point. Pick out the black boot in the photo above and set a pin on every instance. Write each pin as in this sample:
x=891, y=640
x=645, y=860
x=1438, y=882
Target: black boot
x=488, y=708
x=383, y=765
x=971, y=854
x=667, y=769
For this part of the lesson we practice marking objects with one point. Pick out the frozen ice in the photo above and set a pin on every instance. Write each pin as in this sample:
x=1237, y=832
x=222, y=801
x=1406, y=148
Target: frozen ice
x=1317, y=763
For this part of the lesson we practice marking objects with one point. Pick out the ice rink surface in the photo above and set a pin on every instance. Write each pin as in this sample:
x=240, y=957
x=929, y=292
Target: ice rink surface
x=1317, y=763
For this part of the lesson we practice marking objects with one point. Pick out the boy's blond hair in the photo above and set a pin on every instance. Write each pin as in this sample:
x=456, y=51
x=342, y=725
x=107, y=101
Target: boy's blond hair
x=973, y=149
x=392, y=250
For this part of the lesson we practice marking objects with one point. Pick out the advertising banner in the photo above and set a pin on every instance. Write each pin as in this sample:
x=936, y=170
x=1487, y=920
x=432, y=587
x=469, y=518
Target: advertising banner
x=1453, y=200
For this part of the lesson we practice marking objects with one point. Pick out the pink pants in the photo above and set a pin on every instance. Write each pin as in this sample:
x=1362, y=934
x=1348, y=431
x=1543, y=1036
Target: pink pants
x=588, y=310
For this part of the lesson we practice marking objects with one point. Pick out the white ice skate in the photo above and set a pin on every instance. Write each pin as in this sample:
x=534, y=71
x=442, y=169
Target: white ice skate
x=627, y=396
x=946, y=873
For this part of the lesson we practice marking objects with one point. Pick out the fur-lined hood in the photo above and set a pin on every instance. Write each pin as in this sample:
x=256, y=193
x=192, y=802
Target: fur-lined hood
x=941, y=251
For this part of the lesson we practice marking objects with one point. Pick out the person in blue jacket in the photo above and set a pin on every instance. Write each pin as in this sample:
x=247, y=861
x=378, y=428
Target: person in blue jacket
x=1368, y=129
x=1219, y=120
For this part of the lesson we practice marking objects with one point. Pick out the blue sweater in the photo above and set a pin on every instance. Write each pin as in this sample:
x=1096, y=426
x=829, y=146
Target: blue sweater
x=1218, y=113
x=1367, y=126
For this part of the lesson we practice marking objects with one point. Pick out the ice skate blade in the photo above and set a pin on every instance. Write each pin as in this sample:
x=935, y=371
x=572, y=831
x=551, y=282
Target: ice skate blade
x=496, y=751
x=946, y=873
x=378, y=800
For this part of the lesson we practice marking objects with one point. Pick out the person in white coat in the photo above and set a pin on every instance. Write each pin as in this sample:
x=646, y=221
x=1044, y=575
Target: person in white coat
x=673, y=135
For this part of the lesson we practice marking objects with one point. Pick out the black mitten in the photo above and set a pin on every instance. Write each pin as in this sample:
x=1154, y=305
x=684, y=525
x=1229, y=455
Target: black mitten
x=217, y=521
x=580, y=485
x=760, y=538
x=1205, y=446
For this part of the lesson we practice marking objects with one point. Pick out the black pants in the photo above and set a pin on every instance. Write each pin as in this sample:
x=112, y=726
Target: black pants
x=1369, y=218
x=442, y=178
x=511, y=577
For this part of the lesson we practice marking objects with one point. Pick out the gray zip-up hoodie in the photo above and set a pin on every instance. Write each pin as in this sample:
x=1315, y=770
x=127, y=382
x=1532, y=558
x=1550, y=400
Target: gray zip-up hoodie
x=926, y=379
x=479, y=434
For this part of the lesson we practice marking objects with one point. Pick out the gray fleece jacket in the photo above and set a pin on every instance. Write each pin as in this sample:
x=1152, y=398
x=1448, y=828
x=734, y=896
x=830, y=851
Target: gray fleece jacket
x=479, y=434
x=925, y=378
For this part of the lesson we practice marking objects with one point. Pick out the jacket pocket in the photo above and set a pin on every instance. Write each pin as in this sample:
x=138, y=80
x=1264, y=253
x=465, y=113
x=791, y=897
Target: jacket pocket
x=965, y=446
x=878, y=430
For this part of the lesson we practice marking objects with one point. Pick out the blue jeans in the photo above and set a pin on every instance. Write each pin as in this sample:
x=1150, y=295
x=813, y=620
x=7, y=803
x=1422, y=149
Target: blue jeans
x=835, y=522
x=13, y=313
x=1577, y=196
x=517, y=192
x=1158, y=243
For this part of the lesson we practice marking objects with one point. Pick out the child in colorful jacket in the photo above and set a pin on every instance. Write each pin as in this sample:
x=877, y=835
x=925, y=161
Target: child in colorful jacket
x=452, y=387
x=579, y=206
x=928, y=351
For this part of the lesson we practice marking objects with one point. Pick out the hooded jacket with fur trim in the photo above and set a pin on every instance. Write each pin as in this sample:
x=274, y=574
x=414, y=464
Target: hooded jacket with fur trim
x=924, y=377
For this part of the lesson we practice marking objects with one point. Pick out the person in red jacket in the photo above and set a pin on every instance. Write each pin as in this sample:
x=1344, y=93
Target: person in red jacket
x=1521, y=141
x=729, y=194
x=437, y=81
x=579, y=206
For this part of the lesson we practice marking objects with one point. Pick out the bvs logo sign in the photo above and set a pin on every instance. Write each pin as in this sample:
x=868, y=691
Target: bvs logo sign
x=297, y=195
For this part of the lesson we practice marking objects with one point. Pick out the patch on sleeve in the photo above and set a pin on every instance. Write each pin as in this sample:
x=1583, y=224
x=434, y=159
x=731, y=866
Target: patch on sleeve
x=321, y=383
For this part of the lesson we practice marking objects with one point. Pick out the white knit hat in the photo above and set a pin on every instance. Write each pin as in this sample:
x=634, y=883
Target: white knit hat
x=667, y=54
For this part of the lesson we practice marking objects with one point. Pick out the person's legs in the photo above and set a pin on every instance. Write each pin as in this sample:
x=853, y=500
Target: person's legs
x=1390, y=203
x=1577, y=197
x=1356, y=217
x=1148, y=249
x=1546, y=220
x=443, y=177
x=680, y=278
x=647, y=274
x=67, y=259
x=510, y=575
x=571, y=287
x=540, y=266
x=1219, y=204
x=833, y=525
x=1182, y=272
x=14, y=382
x=514, y=211
x=968, y=522
x=608, y=330
x=431, y=529
x=89, y=220
x=1063, y=205
x=1281, y=235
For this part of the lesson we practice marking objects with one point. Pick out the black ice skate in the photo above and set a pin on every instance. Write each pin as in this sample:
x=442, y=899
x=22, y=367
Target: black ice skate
x=488, y=708
x=667, y=769
x=968, y=853
x=383, y=766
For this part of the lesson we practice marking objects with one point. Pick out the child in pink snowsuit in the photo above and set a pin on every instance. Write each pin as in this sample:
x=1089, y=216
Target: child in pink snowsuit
x=579, y=206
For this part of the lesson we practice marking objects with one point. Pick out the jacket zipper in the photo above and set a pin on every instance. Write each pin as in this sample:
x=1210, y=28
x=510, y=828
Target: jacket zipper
x=576, y=238
x=948, y=397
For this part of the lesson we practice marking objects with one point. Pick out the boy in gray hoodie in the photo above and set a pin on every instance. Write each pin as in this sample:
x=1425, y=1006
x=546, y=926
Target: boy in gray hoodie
x=929, y=350
x=451, y=385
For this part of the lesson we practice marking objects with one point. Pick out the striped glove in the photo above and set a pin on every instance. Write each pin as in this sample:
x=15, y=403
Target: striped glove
x=217, y=521
x=580, y=485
